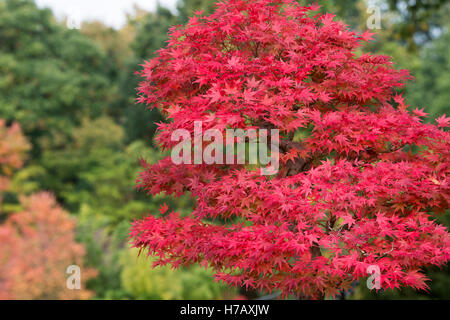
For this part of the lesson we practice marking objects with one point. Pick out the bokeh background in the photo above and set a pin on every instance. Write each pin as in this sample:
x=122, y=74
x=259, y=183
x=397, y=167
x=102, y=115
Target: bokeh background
x=71, y=137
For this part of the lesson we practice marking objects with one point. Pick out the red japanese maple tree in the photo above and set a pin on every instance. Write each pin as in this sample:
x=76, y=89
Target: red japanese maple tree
x=361, y=175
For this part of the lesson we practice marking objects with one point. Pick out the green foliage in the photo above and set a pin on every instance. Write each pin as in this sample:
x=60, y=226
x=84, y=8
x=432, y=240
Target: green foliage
x=115, y=44
x=419, y=20
x=96, y=170
x=431, y=89
x=51, y=77
x=104, y=245
x=141, y=281
x=140, y=123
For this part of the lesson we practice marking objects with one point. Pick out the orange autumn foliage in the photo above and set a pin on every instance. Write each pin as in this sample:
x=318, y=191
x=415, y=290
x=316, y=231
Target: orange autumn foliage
x=36, y=247
x=13, y=147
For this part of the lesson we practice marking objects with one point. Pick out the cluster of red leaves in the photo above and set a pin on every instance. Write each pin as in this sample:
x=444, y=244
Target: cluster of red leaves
x=36, y=247
x=359, y=189
x=13, y=147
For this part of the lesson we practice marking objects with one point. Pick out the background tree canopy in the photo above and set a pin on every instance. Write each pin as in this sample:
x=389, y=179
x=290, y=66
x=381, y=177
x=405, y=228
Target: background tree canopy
x=73, y=94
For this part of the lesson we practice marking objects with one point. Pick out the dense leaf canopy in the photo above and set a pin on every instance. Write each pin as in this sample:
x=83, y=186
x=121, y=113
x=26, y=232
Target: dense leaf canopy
x=360, y=173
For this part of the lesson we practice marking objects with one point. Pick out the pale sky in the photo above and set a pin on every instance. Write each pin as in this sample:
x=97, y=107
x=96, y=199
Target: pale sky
x=111, y=12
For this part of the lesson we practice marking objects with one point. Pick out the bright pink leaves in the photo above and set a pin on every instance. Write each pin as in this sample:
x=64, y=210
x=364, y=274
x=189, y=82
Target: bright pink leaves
x=359, y=178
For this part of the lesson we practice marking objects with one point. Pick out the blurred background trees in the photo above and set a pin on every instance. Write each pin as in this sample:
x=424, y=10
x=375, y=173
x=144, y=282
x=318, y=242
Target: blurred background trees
x=37, y=240
x=52, y=77
x=141, y=281
x=73, y=94
x=37, y=245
